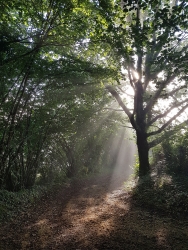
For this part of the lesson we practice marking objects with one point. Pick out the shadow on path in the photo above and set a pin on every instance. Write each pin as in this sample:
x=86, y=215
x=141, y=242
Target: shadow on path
x=89, y=215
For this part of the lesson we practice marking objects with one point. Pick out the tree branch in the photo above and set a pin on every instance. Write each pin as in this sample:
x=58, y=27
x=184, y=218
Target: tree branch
x=120, y=102
x=157, y=94
x=167, y=134
x=114, y=109
x=168, y=122
x=130, y=78
x=118, y=98
x=175, y=91
x=166, y=112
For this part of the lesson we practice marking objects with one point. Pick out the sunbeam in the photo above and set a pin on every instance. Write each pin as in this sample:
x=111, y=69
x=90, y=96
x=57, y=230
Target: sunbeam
x=123, y=151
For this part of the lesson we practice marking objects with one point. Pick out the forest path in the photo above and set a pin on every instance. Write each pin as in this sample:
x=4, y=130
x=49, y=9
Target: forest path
x=93, y=214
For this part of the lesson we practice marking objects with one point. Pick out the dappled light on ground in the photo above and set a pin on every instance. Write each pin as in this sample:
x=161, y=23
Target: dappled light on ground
x=87, y=215
x=161, y=235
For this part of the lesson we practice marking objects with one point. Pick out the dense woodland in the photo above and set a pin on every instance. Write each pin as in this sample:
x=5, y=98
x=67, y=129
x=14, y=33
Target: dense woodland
x=53, y=120
x=79, y=80
x=73, y=73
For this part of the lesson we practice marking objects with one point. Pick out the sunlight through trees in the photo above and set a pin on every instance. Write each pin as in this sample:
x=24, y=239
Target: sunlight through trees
x=63, y=63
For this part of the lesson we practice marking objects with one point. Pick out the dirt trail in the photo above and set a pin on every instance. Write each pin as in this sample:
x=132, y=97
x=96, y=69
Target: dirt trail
x=91, y=215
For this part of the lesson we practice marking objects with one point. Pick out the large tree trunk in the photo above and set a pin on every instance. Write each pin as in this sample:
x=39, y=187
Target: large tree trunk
x=143, y=153
x=137, y=119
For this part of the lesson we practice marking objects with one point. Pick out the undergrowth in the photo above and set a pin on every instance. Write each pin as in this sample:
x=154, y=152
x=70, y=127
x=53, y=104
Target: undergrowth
x=166, y=194
x=12, y=203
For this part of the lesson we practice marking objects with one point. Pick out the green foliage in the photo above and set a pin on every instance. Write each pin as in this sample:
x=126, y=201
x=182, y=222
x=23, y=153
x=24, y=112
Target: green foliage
x=56, y=57
x=164, y=194
x=86, y=147
x=48, y=176
x=147, y=38
x=176, y=153
x=136, y=167
x=49, y=80
x=13, y=203
x=166, y=190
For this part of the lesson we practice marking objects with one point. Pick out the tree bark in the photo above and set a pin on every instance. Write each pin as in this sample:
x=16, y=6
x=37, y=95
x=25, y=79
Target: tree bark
x=71, y=169
x=143, y=153
x=137, y=119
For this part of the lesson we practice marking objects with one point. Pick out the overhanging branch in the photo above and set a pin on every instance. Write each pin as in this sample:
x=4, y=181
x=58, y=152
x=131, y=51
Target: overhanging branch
x=168, y=122
x=157, y=94
x=114, y=109
x=167, y=134
x=120, y=102
x=166, y=112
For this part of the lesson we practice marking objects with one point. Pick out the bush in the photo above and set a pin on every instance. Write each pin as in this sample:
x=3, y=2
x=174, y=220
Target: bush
x=176, y=154
x=164, y=194
x=12, y=203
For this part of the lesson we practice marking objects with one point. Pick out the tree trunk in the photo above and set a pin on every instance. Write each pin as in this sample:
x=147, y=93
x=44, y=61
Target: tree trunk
x=137, y=119
x=71, y=170
x=143, y=153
